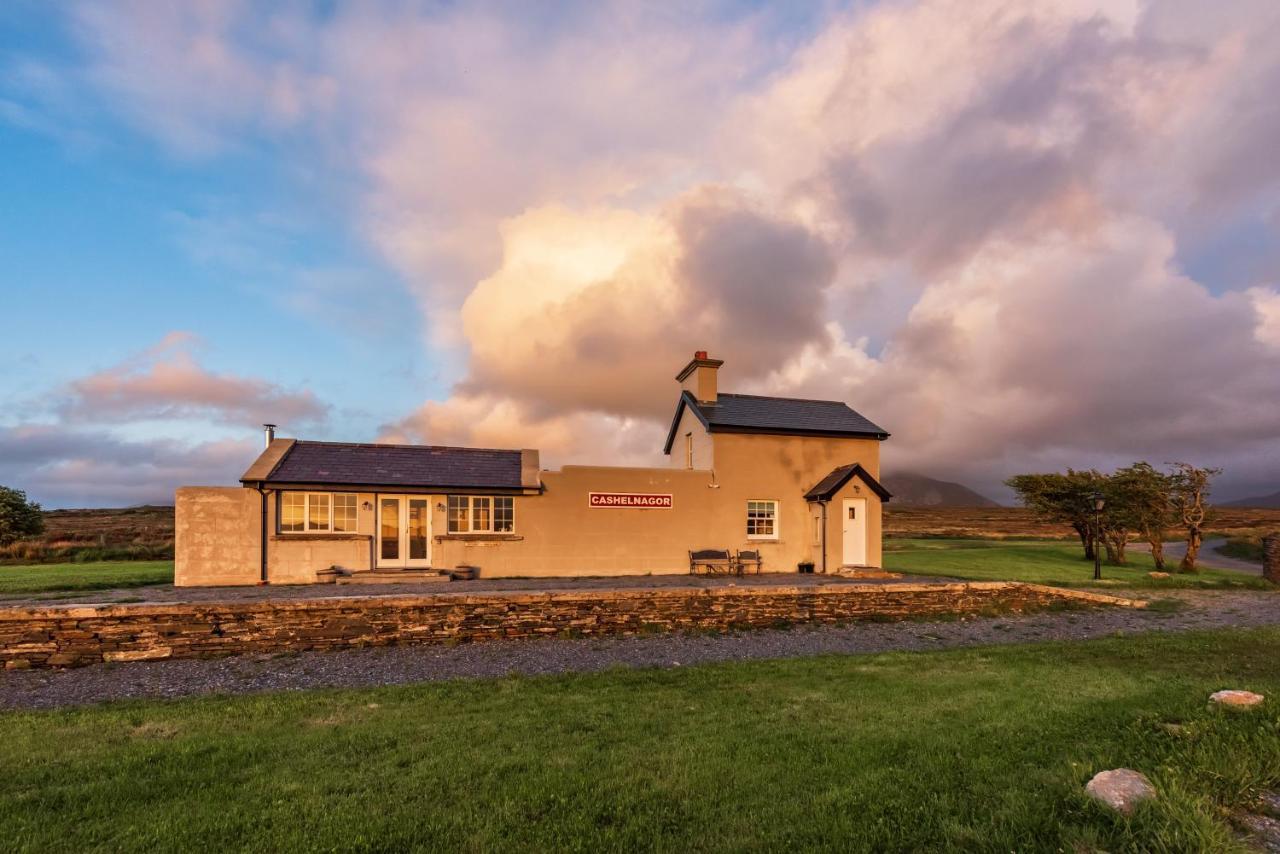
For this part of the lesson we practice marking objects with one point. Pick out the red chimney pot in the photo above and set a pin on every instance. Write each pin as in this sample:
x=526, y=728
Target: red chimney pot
x=700, y=354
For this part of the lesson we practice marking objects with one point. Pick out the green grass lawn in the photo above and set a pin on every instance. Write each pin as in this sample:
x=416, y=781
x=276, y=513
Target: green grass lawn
x=977, y=749
x=1040, y=562
x=51, y=577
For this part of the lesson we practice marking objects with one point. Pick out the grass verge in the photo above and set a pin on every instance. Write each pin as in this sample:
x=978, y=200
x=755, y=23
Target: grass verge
x=975, y=749
x=1042, y=562
x=54, y=577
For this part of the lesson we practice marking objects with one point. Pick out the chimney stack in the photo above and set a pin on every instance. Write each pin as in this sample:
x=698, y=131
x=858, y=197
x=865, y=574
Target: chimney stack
x=269, y=433
x=699, y=377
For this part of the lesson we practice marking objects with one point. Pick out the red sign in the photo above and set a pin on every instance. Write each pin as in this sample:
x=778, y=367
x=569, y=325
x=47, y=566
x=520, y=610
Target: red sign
x=629, y=499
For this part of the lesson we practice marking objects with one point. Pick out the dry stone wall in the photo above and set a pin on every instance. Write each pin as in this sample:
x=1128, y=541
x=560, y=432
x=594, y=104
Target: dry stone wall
x=71, y=636
x=1271, y=558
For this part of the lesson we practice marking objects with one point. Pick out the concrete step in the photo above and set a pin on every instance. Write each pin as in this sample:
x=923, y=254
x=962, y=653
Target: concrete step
x=394, y=576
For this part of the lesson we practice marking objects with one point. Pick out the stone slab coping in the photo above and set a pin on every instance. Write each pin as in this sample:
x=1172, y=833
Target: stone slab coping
x=86, y=611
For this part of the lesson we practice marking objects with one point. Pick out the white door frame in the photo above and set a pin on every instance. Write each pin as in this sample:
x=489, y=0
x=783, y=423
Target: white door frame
x=401, y=558
x=853, y=527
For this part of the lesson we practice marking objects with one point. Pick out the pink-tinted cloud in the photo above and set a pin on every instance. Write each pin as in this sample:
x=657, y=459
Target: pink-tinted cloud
x=166, y=382
x=962, y=217
x=64, y=466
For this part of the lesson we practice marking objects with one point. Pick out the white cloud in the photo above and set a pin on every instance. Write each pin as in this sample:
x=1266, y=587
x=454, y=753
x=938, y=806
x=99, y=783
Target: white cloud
x=993, y=191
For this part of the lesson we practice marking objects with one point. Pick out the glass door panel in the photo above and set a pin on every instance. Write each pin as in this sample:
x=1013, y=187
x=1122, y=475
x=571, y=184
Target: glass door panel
x=389, y=528
x=418, y=533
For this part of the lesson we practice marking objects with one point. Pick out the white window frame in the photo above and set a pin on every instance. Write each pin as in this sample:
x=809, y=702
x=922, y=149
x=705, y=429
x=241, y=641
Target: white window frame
x=469, y=515
x=777, y=518
x=306, y=513
x=688, y=450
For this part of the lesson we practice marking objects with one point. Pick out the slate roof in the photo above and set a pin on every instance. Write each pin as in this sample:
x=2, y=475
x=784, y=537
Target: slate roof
x=824, y=489
x=349, y=464
x=749, y=413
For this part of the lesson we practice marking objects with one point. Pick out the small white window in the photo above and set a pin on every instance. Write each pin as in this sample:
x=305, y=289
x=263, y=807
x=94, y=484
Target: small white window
x=688, y=450
x=762, y=520
x=318, y=513
x=481, y=514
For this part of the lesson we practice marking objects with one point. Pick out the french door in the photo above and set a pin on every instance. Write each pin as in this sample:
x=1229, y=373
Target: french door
x=404, y=531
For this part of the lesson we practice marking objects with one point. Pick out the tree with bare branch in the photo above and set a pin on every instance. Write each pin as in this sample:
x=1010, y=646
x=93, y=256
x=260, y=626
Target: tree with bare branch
x=1140, y=494
x=1189, y=496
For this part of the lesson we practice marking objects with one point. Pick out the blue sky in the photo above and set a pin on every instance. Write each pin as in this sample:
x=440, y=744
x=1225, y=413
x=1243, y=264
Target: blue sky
x=109, y=242
x=1020, y=237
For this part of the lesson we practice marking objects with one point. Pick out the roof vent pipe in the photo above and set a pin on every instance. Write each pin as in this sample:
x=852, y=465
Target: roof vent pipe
x=269, y=434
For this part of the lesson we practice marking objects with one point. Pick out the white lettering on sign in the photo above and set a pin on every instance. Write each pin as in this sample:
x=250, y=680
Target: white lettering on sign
x=629, y=499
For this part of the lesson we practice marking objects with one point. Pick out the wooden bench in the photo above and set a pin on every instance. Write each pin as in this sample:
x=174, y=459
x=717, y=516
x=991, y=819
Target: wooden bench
x=711, y=561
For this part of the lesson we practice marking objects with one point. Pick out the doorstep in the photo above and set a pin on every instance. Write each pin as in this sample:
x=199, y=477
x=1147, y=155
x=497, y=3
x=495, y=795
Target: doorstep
x=391, y=576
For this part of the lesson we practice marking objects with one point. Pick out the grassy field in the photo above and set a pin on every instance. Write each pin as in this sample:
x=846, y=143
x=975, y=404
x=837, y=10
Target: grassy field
x=1041, y=562
x=979, y=749
x=50, y=577
x=1018, y=522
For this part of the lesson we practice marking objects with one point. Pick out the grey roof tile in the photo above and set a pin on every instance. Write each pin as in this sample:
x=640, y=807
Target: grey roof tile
x=350, y=464
x=784, y=413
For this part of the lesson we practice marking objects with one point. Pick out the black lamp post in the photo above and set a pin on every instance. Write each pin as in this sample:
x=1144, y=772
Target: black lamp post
x=1098, y=503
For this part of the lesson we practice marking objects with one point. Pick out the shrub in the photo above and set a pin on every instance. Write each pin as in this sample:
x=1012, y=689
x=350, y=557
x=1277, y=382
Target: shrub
x=19, y=517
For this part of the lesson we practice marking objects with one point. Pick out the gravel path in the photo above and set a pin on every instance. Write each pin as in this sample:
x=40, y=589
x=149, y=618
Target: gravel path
x=45, y=689
x=1209, y=557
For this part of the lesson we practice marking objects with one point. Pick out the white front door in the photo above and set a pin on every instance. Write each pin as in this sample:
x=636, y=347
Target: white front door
x=855, y=531
x=404, y=531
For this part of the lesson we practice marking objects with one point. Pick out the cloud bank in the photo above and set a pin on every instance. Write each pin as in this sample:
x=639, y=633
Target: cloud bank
x=991, y=226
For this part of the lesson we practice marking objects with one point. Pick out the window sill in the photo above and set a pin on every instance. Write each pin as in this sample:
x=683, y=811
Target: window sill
x=276, y=538
x=483, y=538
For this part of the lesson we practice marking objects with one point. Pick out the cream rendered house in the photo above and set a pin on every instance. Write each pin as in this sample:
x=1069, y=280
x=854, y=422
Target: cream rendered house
x=795, y=480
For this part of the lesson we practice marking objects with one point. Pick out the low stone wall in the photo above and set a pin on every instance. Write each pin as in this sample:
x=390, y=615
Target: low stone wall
x=70, y=636
x=1271, y=558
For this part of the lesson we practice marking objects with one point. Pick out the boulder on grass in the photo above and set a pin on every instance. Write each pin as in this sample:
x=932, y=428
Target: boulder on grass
x=1237, y=699
x=1157, y=575
x=1121, y=789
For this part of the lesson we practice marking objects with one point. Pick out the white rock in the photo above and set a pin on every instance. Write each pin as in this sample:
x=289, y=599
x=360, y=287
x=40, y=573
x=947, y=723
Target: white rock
x=1121, y=789
x=1237, y=699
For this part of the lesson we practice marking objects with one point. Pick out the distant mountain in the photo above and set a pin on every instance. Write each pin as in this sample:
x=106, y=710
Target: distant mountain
x=916, y=490
x=1271, y=501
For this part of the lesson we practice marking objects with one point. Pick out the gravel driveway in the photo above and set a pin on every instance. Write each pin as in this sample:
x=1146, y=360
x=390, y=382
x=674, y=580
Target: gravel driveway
x=400, y=665
x=1210, y=555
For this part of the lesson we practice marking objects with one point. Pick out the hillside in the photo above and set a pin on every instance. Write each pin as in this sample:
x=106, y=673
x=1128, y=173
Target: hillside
x=128, y=533
x=915, y=490
x=1271, y=501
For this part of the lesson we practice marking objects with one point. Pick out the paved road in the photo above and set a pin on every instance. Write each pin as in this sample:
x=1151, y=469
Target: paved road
x=1210, y=557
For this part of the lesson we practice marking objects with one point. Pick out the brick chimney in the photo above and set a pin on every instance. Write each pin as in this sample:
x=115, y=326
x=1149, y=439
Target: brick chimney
x=699, y=377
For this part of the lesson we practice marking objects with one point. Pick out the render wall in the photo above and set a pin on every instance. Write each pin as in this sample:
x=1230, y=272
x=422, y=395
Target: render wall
x=557, y=533
x=295, y=558
x=217, y=536
x=703, y=449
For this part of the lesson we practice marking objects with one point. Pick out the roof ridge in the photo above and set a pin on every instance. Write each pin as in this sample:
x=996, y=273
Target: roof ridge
x=404, y=446
x=775, y=397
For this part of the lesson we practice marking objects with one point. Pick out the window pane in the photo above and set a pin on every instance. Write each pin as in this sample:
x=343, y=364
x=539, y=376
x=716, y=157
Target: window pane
x=318, y=511
x=344, y=513
x=292, y=511
x=761, y=516
x=458, y=509
x=504, y=514
x=480, y=518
